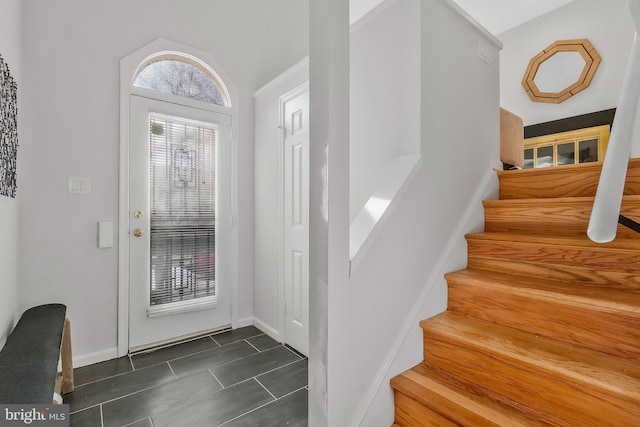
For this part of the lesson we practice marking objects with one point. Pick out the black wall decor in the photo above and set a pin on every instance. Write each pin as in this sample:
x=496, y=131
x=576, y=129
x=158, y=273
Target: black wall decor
x=8, y=131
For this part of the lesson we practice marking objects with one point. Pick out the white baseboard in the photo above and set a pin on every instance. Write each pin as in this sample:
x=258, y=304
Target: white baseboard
x=267, y=329
x=98, y=356
x=241, y=323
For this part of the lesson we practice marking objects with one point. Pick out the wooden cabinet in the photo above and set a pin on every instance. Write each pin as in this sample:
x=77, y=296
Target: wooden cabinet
x=567, y=148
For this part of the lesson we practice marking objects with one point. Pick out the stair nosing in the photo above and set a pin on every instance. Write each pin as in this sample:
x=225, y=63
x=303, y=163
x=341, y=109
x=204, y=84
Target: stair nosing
x=574, y=241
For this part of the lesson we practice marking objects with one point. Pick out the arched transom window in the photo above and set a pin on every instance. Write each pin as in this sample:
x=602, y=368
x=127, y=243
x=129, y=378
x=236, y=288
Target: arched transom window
x=184, y=76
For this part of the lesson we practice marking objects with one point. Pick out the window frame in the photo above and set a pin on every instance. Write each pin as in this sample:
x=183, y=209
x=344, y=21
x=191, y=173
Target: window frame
x=187, y=59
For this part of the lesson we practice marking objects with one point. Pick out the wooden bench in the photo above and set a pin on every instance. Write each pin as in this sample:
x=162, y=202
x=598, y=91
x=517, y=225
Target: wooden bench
x=29, y=359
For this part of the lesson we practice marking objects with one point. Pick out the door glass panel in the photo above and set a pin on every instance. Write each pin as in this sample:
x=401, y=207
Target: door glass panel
x=566, y=153
x=545, y=156
x=589, y=151
x=528, y=158
x=182, y=220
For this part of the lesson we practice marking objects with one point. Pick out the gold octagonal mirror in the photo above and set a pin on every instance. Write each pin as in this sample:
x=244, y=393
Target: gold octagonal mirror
x=563, y=69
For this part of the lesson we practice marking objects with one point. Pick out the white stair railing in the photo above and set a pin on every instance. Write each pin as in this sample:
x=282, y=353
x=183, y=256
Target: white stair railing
x=606, y=207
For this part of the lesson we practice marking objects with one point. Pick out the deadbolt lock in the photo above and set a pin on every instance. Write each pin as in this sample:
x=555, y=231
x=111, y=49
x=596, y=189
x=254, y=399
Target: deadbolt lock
x=138, y=214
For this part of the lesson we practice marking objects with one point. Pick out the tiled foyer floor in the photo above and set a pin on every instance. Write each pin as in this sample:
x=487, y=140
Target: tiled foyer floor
x=236, y=378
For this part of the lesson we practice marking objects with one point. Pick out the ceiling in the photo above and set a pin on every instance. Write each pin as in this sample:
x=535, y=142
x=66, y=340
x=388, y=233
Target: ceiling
x=497, y=16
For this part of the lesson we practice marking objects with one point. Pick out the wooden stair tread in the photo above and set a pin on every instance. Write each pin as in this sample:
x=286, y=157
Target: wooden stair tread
x=563, y=181
x=573, y=274
x=571, y=258
x=595, y=317
x=451, y=400
x=580, y=366
x=561, y=240
x=554, y=201
x=593, y=297
x=561, y=216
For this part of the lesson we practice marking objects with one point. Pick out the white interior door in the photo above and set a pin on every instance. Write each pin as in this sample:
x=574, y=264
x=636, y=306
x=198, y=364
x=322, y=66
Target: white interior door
x=179, y=190
x=295, y=114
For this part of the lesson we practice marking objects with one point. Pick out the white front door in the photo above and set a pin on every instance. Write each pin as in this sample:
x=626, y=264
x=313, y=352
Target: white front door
x=295, y=114
x=179, y=194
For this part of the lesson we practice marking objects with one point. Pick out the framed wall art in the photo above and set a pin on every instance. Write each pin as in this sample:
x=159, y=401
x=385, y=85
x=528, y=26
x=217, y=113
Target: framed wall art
x=8, y=131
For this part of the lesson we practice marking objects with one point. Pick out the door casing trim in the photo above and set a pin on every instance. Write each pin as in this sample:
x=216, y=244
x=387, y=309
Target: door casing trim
x=298, y=90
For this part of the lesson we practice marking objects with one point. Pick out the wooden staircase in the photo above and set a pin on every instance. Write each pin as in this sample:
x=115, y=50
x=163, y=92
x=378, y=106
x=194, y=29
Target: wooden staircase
x=543, y=326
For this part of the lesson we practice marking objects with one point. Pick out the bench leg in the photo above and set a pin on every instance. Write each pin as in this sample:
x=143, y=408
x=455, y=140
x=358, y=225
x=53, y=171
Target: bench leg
x=67, y=359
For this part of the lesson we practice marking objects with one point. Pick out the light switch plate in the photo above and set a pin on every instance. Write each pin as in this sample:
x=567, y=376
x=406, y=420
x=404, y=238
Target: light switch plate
x=105, y=234
x=79, y=185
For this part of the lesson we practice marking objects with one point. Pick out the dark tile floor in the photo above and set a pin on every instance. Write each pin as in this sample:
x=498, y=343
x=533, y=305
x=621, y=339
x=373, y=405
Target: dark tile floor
x=232, y=379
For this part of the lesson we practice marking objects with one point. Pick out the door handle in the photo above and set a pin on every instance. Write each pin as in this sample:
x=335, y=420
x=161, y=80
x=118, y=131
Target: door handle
x=138, y=232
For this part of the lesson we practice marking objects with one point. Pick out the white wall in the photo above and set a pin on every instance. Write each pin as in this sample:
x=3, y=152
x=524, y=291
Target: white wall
x=607, y=24
x=9, y=244
x=70, y=120
x=460, y=142
x=268, y=194
x=328, y=198
x=10, y=44
x=385, y=95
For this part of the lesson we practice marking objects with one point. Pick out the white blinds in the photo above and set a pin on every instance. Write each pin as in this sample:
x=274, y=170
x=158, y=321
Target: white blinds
x=182, y=199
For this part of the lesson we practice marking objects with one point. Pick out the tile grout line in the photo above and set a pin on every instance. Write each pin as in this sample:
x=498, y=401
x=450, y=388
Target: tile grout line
x=216, y=378
x=169, y=365
x=266, y=389
x=184, y=355
x=121, y=397
x=101, y=416
x=83, y=409
x=263, y=405
x=133, y=367
x=275, y=369
x=239, y=339
x=244, y=357
x=257, y=349
x=153, y=349
x=137, y=421
x=292, y=392
x=123, y=373
x=105, y=378
x=261, y=373
x=252, y=410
